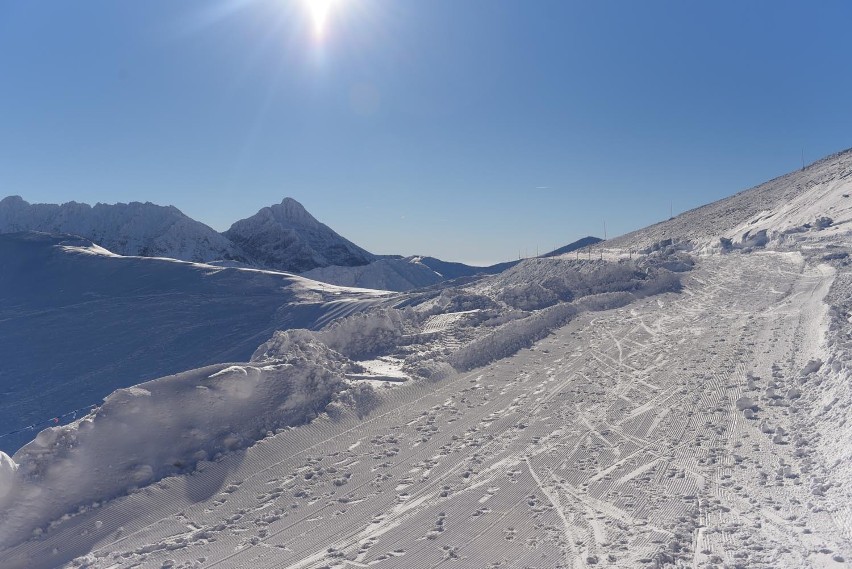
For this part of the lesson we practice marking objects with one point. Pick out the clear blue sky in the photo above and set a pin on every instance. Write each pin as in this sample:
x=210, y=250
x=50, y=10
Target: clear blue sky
x=465, y=129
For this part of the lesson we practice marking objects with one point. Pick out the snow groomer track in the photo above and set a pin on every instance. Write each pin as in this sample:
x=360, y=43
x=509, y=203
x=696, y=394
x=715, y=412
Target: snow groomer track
x=674, y=431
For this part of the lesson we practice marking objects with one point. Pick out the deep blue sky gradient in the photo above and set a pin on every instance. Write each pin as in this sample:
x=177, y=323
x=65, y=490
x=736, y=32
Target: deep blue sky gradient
x=465, y=129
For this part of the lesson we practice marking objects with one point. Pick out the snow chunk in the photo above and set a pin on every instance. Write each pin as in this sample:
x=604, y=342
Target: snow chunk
x=812, y=366
x=8, y=468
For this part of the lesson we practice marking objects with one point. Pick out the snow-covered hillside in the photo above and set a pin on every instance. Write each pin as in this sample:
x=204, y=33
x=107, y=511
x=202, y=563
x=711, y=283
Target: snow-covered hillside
x=136, y=228
x=286, y=237
x=77, y=322
x=576, y=245
x=407, y=273
x=383, y=274
x=682, y=400
x=812, y=202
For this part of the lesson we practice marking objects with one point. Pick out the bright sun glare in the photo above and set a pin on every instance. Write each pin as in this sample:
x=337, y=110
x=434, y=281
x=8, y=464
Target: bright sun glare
x=320, y=11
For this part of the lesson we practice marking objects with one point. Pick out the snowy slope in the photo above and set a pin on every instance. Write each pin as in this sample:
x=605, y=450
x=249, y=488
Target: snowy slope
x=782, y=207
x=77, y=322
x=451, y=270
x=407, y=273
x=204, y=413
x=579, y=244
x=384, y=274
x=286, y=237
x=586, y=421
x=616, y=442
x=126, y=229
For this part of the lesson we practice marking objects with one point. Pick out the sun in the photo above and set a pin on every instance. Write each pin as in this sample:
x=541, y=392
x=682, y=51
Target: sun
x=320, y=11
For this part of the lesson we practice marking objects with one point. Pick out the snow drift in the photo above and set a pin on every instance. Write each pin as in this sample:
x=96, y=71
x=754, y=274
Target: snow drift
x=174, y=424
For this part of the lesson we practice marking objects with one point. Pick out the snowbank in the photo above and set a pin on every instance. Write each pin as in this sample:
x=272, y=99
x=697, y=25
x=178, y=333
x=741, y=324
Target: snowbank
x=165, y=426
x=364, y=334
x=511, y=337
x=541, y=282
x=8, y=468
x=357, y=336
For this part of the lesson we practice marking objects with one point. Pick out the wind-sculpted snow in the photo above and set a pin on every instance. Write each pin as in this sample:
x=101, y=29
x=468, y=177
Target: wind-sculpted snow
x=358, y=336
x=366, y=333
x=470, y=326
x=175, y=424
x=136, y=228
x=8, y=471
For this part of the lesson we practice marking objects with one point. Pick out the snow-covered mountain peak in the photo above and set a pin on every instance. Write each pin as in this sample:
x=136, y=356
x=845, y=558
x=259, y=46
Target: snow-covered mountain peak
x=285, y=236
x=288, y=213
x=291, y=211
x=134, y=228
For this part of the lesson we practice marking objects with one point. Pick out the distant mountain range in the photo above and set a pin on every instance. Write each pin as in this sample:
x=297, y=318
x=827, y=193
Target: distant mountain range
x=139, y=229
x=283, y=237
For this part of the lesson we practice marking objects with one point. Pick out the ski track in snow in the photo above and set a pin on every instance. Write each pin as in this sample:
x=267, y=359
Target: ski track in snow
x=614, y=442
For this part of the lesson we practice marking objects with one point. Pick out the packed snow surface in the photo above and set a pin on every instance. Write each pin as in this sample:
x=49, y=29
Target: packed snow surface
x=682, y=400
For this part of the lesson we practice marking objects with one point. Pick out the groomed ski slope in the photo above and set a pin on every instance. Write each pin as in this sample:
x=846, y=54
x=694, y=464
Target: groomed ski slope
x=622, y=440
